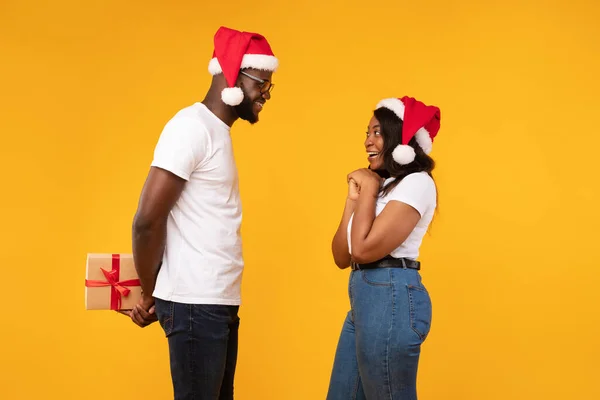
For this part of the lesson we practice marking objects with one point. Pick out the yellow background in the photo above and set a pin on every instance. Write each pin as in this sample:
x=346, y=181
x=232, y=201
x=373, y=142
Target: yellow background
x=512, y=259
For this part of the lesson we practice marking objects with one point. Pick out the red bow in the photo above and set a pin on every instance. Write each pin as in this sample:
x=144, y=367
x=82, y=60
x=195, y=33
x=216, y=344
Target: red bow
x=119, y=288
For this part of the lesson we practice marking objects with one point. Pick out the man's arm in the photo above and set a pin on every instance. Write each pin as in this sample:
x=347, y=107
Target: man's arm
x=160, y=193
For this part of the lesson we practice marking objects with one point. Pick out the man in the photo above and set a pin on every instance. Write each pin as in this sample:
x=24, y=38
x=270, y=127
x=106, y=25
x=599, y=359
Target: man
x=186, y=232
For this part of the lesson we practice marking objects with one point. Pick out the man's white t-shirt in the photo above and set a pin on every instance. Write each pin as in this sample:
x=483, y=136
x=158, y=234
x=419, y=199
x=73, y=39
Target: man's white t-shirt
x=202, y=262
x=418, y=191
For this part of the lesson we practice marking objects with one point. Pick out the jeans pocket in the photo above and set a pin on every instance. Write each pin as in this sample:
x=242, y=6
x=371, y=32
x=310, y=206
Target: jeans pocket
x=420, y=310
x=164, y=312
x=377, y=276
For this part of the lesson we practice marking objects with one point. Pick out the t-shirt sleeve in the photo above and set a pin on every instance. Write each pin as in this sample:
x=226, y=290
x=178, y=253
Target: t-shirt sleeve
x=182, y=147
x=417, y=190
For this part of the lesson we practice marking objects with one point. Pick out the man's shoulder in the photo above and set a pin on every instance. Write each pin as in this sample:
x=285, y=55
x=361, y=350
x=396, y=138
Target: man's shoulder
x=193, y=114
x=198, y=116
x=189, y=121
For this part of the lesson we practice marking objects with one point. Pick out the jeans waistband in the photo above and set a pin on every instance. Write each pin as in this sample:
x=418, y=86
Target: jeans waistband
x=388, y=262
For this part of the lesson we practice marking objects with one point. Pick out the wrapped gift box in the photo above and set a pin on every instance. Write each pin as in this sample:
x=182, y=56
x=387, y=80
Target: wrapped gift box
x=111, y=282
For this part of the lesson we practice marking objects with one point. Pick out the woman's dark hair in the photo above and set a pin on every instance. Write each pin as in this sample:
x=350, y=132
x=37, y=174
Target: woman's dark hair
x=391, y=131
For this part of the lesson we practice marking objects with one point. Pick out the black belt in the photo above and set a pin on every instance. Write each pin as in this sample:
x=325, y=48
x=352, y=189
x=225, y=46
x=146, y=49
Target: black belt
x=388, y=262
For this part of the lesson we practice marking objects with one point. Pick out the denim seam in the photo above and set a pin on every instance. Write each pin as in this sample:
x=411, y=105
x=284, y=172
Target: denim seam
x=389, y=339
x=412, y=309
x=355, y=393
x=350, y=286
x=191, y=339
x=172, y=319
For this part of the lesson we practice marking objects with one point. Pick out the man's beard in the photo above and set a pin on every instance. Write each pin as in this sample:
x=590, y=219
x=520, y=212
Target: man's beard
x=245, y=110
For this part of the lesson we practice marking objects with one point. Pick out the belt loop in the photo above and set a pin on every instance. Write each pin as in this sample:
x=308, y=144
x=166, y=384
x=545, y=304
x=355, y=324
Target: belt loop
x=403, y=263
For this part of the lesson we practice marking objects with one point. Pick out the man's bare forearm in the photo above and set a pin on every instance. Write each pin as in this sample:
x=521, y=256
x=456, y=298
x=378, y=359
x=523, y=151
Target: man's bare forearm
x=148, y=247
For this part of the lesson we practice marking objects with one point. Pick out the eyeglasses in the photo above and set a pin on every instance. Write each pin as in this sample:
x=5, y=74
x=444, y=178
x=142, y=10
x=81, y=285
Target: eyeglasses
x=265, y=85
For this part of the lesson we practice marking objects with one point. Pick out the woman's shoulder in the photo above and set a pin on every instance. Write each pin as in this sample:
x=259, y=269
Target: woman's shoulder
x=422, y=176
x=417, y=189
x=416, y=180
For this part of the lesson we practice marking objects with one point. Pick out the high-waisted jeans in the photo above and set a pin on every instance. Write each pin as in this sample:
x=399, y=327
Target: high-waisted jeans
x=380, y=343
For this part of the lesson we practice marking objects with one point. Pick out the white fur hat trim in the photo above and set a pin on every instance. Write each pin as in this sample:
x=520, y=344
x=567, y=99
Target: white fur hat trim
x=232, y=96
x=403, y=154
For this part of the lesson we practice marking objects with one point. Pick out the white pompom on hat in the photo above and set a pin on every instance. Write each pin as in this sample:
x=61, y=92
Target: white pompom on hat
x=418, y=120
x=235, y=50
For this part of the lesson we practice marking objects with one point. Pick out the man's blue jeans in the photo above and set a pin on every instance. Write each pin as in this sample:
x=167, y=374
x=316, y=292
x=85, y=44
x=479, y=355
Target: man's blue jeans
x=203, y=342
x=379, y=347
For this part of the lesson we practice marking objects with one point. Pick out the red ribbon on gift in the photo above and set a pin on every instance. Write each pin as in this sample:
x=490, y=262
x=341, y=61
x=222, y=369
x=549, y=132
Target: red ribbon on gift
x=119, y=288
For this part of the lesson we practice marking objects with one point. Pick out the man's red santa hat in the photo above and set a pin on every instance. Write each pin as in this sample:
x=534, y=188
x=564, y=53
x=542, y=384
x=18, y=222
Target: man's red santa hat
x=418, y=120
x=235, y=50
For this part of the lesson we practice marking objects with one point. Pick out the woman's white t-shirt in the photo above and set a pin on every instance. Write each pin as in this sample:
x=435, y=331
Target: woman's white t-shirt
x=418, y=191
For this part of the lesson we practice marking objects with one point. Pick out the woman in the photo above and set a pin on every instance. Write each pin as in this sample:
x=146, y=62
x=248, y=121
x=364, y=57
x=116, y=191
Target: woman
x=388, y=210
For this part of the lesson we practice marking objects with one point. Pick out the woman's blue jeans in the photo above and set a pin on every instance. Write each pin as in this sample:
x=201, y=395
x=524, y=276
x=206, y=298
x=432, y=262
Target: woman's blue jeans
x=380, y=343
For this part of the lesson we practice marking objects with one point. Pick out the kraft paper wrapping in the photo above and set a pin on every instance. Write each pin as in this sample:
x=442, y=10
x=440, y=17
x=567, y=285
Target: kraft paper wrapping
x=111, y=282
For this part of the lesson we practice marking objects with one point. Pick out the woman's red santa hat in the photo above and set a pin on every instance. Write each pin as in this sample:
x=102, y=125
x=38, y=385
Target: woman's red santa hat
x=235, y=50
x=418, y=120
